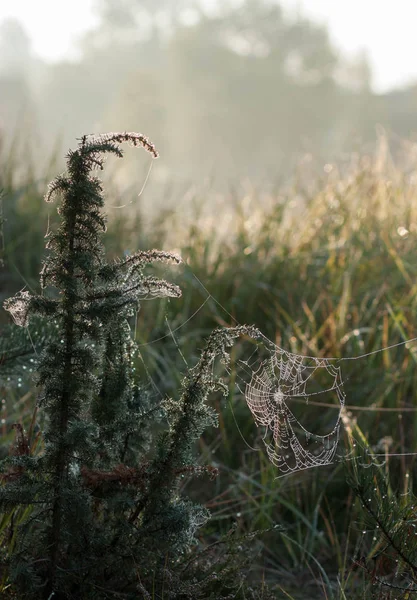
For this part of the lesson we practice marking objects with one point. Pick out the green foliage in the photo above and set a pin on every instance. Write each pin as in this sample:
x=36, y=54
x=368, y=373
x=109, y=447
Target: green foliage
x=94, y=513
x=388, y=554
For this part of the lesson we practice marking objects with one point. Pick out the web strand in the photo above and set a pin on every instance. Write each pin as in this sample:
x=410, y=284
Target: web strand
x=271, y=387
x=267, y=340
x=141, y=190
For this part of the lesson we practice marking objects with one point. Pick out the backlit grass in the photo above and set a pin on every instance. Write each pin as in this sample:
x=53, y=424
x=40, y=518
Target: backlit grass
x=324, y=267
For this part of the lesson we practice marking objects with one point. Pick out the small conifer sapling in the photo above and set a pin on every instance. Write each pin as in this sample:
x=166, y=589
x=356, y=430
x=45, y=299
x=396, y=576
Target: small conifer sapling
x=106, y=518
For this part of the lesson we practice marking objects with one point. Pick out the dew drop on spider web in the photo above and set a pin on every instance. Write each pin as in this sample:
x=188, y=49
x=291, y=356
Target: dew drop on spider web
x=277, y=391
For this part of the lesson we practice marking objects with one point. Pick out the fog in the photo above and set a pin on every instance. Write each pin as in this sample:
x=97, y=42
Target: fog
x=244, y=90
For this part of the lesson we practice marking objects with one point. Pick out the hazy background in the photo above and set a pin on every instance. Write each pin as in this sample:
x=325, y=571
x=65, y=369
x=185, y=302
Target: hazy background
x=226, y=90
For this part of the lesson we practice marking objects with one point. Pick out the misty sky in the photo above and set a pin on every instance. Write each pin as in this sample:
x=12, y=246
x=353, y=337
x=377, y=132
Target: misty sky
x=385, y=29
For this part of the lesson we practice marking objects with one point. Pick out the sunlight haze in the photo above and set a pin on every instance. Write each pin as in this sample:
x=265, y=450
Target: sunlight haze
x=52, y=26
x=385, y=30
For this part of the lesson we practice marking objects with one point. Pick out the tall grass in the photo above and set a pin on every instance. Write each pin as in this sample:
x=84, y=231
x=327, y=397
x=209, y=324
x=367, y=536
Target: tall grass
x=325, y=266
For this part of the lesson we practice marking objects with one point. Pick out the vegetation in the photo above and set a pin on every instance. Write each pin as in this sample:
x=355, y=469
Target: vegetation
x=325, y=267
x=88, y=511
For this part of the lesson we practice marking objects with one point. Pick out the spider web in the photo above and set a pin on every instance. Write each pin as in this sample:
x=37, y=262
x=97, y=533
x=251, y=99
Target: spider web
x=280, y=381
x=277, y=385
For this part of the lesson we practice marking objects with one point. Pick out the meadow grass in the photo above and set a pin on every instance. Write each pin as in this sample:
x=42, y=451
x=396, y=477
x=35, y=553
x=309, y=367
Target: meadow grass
x=323, y=267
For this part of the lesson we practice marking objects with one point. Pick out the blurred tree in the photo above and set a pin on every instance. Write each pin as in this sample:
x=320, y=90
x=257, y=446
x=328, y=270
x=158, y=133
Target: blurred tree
x=244, y=75
x=202, y=80
x=138, y=19
x=15, y=54
x=239, y=89
x=15, y=64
